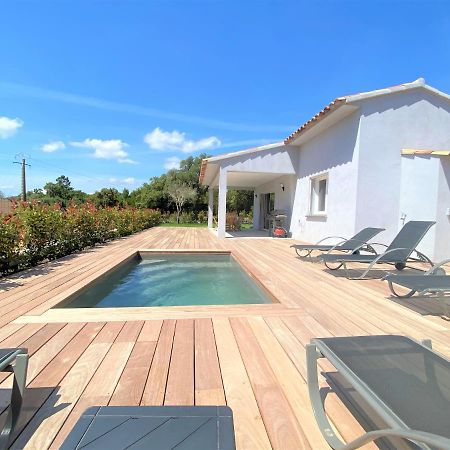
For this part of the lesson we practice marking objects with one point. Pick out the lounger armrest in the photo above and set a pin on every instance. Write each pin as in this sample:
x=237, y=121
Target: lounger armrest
x=342, y=240
x=437, y=266
x=360, y=246
x=376, y=260
x=380, y=244
x=332, y=237
x=422, y=437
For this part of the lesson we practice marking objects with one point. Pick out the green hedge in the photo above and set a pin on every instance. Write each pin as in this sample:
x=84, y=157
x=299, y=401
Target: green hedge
x=37, y=232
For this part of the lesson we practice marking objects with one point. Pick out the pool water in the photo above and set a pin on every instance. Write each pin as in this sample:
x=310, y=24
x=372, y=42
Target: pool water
x=172, y=280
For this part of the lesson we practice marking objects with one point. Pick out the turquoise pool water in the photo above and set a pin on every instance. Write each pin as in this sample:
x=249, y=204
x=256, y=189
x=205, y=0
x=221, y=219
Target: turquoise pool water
x=172, y=280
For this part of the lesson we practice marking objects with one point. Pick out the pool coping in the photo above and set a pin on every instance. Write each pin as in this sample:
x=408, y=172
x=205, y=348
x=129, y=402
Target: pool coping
x=129, y=309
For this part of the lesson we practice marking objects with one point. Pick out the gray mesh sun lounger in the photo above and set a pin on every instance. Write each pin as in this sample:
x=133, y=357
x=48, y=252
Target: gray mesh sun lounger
x=153, y=428
x=398, y=253
x=355, y=243
x=433, y=281
x=13, y=360
x=405, y=384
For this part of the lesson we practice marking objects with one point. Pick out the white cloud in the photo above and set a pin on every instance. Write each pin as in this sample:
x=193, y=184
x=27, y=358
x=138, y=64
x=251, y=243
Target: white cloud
x=176, y=141
x=53, y=146
x=172, y=162
x=107, y=149
x=9, y=127
x=129, y=180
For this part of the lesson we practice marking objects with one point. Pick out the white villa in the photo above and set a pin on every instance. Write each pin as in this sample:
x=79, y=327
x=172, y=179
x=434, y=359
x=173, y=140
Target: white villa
x=377, y=159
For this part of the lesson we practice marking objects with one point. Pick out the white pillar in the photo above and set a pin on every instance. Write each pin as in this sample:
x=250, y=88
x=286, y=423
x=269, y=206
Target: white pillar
x=210, y=206
x=222, y=205
x=256, y=210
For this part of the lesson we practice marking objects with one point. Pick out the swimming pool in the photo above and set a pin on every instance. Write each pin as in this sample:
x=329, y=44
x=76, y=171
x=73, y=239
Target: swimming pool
x=172, y=280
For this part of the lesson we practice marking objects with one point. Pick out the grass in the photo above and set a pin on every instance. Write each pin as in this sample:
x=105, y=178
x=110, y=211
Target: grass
x=190, y=225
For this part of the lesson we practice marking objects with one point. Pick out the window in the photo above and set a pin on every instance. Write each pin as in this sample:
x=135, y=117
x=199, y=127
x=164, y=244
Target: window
x=319, y=193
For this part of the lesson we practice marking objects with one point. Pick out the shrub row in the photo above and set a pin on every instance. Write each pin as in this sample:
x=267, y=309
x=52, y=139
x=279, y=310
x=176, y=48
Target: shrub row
x=37, y=232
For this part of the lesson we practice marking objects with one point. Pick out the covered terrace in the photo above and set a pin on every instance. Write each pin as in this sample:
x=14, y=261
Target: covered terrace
x=268, y=170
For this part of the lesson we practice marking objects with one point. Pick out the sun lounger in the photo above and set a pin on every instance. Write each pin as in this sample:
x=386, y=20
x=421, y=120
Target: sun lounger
x=153, y=428
x=355, y=243
x=398, y=253
x=434, y=281
x=405, y=384
x=13, y=360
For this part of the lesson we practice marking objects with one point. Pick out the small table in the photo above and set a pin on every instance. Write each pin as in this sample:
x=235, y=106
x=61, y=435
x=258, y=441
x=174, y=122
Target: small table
x=13, y=360
x=153, y=427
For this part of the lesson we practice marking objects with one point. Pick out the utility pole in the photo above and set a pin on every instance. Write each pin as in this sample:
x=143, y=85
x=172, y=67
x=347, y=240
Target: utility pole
x=24, y=182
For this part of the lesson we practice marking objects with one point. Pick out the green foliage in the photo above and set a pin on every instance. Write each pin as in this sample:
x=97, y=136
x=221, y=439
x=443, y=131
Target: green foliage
x=60, y=192
x=38, y=232
x=155, y=193
x=239, y=201
x=107, y=197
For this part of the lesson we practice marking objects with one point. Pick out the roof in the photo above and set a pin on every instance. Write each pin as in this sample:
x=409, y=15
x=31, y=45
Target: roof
x=233, y=155
x=336, y=104
x=347, y=99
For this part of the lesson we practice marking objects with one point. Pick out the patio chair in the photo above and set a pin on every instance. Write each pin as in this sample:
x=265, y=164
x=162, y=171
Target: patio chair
x=398, y=253
x=153, y=428
x=404, y=383
x=354, y=244
x=13, y=360
x=433, y=281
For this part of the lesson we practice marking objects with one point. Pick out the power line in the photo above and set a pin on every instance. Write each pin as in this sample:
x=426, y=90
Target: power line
x=69, y=171
x=24, y=182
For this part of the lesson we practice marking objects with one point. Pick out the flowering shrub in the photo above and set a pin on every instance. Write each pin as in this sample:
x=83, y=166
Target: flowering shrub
x=37, y=232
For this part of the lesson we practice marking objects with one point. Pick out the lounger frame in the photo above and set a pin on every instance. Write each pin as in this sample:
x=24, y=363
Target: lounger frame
x=399, y=265
x=16, y=363
x=436, y=269
x=397, y=428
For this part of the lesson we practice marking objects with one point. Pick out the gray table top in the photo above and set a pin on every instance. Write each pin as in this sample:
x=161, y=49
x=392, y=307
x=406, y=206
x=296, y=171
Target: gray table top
x=153, y=427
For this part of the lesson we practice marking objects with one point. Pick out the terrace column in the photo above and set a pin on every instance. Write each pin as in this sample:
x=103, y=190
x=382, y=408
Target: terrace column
x=256, y=210
x=210, y=206
x=222, y=206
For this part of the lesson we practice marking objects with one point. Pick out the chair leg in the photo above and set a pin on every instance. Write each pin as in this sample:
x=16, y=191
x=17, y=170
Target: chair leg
x=19, y=370
x=312, y=355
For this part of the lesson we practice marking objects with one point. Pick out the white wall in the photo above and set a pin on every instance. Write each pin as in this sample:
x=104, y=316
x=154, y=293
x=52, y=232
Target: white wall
x=281, y=159
x=283, y=199
x=411, y=119
x=418, y=199
x=442, y=244
x=334, y=151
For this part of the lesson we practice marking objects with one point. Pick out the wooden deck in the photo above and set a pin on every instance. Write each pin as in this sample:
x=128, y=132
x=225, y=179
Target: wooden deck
x=250, y=357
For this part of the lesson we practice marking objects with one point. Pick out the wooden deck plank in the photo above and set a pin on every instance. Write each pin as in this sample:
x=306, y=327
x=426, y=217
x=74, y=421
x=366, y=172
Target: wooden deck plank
x=155, y=386
x=208, y=380
x=180, y=382
x=291, y=382
x=130, y=388
x=248, y=424
x=279, y=419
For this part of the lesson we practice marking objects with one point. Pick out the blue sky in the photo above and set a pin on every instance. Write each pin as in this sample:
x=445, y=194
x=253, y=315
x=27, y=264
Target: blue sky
x=110, y=93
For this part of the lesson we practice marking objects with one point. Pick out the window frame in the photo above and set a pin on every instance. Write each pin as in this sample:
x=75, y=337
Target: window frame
x=314, y=195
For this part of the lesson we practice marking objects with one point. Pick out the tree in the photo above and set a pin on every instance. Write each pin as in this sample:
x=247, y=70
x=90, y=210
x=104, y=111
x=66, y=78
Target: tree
x=2, y=195
x=107, y=197
x=240, y=200
x=180, y=193
x=60, y=189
